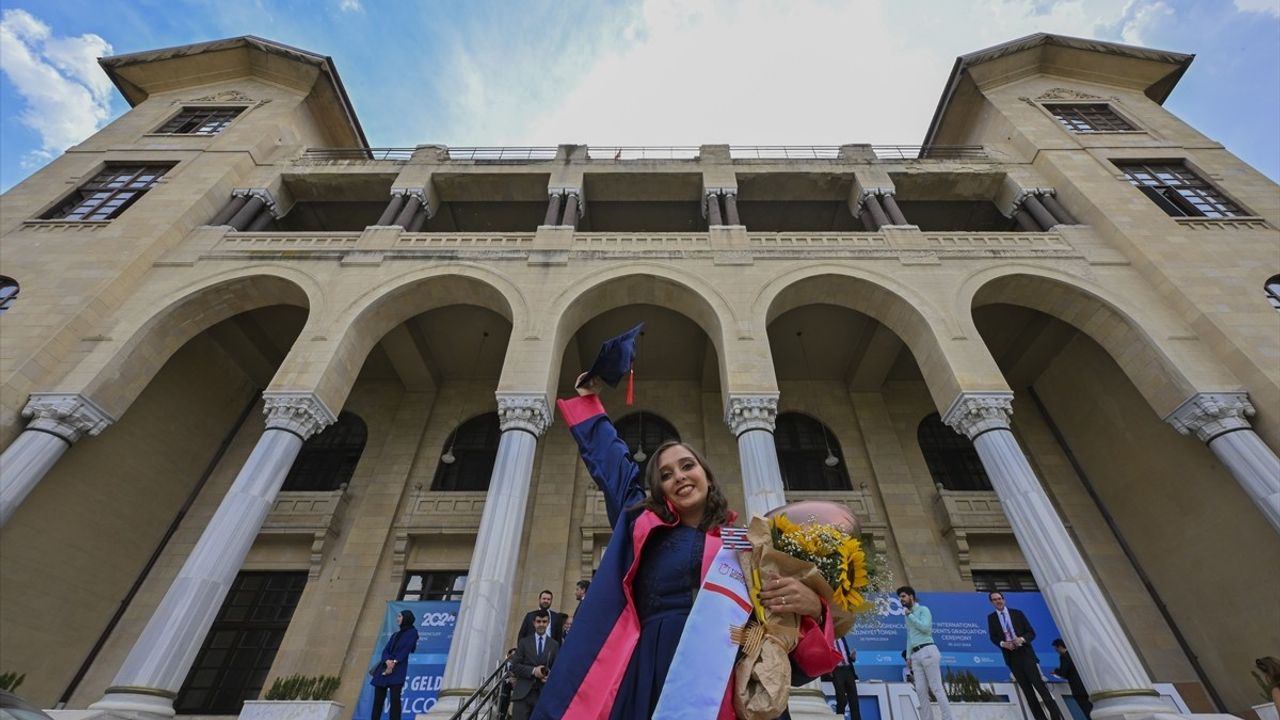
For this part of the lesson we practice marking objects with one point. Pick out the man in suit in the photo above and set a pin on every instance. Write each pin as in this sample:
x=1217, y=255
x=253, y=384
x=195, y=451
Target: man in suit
x=845, y=681
x=531, y=665
x=1010, y=631
x=557, y=619
x=1067, y=670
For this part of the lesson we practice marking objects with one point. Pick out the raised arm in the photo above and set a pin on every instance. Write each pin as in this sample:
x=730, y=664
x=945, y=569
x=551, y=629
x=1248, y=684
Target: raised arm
x=607, y=458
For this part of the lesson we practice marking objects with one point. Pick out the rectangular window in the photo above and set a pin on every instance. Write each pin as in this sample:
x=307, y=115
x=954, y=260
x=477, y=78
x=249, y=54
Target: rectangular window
x=109, y=193
x=200, y=121
x=1089, y=118
x=1177, y=190
x=240, y=647
x=1004, y=581
x=439, y=585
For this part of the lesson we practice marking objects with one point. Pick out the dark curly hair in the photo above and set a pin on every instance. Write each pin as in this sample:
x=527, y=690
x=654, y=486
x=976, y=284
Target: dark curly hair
x=717, y=510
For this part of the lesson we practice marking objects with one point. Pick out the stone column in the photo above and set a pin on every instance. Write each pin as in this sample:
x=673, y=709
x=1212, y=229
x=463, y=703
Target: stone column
x=891, y=206
x=1025, y=222
x=247, y=213
x=553, y=209
x=1059, y=213
x=752, y=419
x=712, y=199
x=407, y=212
x=731, y=208
x=1031, y=203
x=571, y=213
x=57, y=421
x=152, y=674
x=392, y=209
x=486, y=603
x=1108, y=664
x=1219, y=421
x=228, y=210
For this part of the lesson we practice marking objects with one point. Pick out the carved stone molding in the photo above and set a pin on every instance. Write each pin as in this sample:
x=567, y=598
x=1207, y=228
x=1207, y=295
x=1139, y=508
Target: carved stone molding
x=752, y=412
x=70, y=416
x=870, y=192
x=301, y=413
x=1208, y=415
x=415, y=192
x=524, y=411
x=224, y=96
x=973, y=413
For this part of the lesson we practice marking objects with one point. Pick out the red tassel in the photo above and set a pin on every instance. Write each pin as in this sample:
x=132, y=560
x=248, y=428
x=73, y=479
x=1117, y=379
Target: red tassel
x=631, y=387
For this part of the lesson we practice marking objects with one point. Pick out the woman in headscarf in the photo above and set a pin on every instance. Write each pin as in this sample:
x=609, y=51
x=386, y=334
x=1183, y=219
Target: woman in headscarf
x=390, y=672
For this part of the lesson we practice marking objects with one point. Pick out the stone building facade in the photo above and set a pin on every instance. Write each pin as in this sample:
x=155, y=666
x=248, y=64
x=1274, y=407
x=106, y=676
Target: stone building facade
x=226, y=280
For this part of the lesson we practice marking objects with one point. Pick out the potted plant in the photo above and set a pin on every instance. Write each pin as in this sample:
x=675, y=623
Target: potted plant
x=297, y=697
x=971, y=700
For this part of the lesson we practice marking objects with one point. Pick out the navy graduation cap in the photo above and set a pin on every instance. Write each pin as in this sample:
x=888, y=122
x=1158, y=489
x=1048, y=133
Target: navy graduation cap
x=615, y=360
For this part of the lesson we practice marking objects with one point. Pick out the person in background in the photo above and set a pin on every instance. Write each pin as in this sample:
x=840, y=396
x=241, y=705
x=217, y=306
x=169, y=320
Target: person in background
x=580, y=592
x=535, y=655
x=1067, y=671
x=923, y=656
x=845, y=680
x=390, y=671
x=504, y=693
x=1012, y=632
x=545, y=599
x=568, y=623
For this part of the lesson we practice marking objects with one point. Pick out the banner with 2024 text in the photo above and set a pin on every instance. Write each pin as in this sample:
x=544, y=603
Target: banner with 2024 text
x=959, y=629
x=435, y=619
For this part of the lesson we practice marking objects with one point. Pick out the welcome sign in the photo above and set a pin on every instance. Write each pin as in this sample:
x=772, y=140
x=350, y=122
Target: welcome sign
x=959, y=629
x=436, y=619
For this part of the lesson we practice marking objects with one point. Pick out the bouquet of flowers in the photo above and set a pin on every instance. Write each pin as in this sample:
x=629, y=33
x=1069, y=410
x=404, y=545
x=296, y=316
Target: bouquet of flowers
x=816, y=543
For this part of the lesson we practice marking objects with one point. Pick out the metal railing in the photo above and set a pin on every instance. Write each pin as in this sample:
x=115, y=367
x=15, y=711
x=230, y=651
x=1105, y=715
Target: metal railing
x=929, y=152
x=483, y=703
x=784, y=152
x=615, y=152
x=358, y=153
x=501, y=154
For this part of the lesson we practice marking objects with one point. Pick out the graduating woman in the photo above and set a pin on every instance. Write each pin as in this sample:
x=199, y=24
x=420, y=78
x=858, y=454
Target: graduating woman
x=666, y=535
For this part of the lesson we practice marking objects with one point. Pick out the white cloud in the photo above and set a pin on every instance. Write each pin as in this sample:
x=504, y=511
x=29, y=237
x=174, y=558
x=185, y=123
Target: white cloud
x=1260, y=6
x=350, y=5
x=818, y=72
x=66, y=95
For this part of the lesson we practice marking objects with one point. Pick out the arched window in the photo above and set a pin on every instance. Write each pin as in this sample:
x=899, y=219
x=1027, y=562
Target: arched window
x=474, y=449
x=8, y=292
x=1272, y=289
x=644, y=431
x=803, y=444
x=329, y=458
x=953, y=462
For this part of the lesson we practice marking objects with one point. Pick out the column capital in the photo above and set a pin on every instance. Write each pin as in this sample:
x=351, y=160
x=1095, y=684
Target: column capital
x=528, y=411
x=869, y=192
x=262, y=194
x=1211, y=414
x=755, y=411
x=69, y=416
x=973, y=413
x=301, y=413
x=1025, y=193
x=414, y=192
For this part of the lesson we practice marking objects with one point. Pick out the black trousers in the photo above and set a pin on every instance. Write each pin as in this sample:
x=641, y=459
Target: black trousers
x=380, y=696
x=1085, y=705
x=1027, y=673
x=846, y=686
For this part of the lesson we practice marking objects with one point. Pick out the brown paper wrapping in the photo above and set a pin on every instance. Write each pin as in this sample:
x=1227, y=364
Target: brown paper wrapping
x=762, y=680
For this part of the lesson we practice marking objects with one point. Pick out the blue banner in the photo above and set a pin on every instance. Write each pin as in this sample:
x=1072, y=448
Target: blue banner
x=959, y=629
x=426, y=663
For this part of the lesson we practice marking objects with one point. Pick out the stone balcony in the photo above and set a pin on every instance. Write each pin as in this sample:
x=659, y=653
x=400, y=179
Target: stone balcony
x=435, y=513
x=314, y=514
x=962, y=514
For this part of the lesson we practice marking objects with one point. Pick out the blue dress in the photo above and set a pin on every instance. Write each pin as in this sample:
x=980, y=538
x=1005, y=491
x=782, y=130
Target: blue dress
x=669, y=575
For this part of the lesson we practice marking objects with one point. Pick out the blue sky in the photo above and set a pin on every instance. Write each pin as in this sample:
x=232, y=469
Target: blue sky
x=642, y=72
